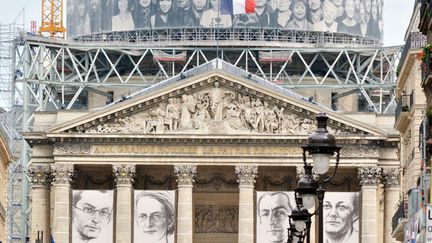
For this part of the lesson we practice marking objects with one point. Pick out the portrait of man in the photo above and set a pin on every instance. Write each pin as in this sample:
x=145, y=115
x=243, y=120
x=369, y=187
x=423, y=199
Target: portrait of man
x=341, y=217
x=273, y=211
x=154, y=216
x=92, y=216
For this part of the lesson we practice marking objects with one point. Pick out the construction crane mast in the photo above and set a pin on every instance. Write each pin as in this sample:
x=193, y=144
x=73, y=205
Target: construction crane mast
x=52, y=19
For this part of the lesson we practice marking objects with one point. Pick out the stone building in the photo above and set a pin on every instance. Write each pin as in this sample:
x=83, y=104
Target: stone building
x=409, y=116
x=5, y=158
x=215, y=137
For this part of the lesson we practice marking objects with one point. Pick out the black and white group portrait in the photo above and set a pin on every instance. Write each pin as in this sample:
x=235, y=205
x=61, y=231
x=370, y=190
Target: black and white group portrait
x=341, y=217
x=356, y=17
x=92, y=216
x=154, y=216
x=273, y=211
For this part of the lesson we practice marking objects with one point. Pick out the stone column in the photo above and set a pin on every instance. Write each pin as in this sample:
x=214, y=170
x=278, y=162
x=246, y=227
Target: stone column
x=391, y=198
x=124, y=175
x=40, y=179
x=185, y=175
x=369, y=178
x=61, y=228
x=246, y=178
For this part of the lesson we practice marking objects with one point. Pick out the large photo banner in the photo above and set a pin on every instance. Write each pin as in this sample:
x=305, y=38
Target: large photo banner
x=273, y=211
x=154, y=216
x=92, y=216
x=355, y=17
x=341, y=211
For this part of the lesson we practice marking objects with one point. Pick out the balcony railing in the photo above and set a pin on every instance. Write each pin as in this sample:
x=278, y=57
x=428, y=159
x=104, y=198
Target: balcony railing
x=415, y=40
x=400, y=214
x=404, y=104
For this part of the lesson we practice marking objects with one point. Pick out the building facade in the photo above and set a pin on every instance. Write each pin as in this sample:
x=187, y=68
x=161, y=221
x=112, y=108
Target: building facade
x=214, y=140
x=5, y=159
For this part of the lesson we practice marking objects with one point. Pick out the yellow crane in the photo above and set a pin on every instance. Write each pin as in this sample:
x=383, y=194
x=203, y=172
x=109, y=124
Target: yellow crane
x=52, y=19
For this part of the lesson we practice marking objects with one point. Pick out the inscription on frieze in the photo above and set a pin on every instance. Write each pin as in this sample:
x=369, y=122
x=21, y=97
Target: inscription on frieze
x=216, y=218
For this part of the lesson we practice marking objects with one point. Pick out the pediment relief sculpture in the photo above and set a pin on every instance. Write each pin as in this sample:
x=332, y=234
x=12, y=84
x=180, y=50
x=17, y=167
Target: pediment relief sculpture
x=215, y=110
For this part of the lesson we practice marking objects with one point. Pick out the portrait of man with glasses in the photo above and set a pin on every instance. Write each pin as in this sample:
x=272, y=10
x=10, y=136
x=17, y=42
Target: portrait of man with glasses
x=92, y=216
x=154, y=217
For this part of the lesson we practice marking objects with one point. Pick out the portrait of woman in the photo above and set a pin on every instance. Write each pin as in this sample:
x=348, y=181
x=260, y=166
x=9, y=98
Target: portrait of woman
x=142, y=14
x=155, y=214
x=348, y=24
x=282, y=15
x=329, y=19
x=163, y=15
x=299, y=20
x=214, y=18
x=83, y=18
x=198, y=8
x=315, y=12
x=123, y=20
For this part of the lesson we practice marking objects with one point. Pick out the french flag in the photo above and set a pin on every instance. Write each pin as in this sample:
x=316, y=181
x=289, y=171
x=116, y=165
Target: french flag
x=237, y=6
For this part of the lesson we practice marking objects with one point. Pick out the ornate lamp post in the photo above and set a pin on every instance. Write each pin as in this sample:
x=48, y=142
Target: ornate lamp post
x=321, y=146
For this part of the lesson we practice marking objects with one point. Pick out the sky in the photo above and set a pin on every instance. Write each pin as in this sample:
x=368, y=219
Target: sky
x=397, y=14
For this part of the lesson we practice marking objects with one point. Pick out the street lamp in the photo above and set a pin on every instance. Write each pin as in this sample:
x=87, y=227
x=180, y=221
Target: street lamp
x=321, y=146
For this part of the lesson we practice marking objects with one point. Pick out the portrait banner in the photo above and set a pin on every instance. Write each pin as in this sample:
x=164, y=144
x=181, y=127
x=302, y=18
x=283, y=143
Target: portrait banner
x=154, y=216
x=341, y=211
x=273, y=211
x=92, y=216
x=355, y=17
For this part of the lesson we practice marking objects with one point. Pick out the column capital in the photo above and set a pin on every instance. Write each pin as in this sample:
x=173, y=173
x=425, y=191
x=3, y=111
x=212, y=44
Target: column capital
x=40, y=175
x=124, y=174
x=185, y=173
x=246, y=174
x=391, y=177
x=62, y=174
x=369, y=176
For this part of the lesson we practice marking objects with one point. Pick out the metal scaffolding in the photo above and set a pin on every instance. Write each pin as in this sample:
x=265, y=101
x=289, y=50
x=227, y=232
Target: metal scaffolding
x=59, y=74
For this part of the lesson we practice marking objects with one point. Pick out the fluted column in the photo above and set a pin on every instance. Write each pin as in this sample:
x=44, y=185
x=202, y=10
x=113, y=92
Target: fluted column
x=124, y=176
x=62, y=175
x=391, y=197
x=185, y=175
x=40, y=179
x=246, y=178
x=369, y=178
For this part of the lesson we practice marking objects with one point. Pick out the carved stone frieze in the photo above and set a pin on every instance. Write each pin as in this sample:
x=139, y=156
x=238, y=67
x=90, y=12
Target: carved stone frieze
x=124, y=174
x=369, y=176
x=391, y=177
x=216, y=183
x=62, y=173
x=39, y=175
x=216, y=218
x=246, y=174
x=359, y=151
x=185, y=173
x=217, y=110
x=71, y=148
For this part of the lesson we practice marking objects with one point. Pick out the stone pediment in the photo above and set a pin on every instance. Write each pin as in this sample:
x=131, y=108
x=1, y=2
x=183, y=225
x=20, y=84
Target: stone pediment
x=214, y=103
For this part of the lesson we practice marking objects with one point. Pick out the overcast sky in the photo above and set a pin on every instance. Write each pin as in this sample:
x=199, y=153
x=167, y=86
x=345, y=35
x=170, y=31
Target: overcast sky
x=397, y=14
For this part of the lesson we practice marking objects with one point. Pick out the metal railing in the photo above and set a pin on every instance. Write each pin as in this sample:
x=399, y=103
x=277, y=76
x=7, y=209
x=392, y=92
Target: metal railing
x=227, y=36
x=415, y=40
x=400, y=214
x=404, y=104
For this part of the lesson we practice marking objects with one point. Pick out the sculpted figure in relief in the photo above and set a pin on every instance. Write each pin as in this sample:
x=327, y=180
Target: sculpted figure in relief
x=214, y=110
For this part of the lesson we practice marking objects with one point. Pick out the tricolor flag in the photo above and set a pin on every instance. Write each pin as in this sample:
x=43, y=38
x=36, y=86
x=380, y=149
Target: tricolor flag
x=237, y=6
